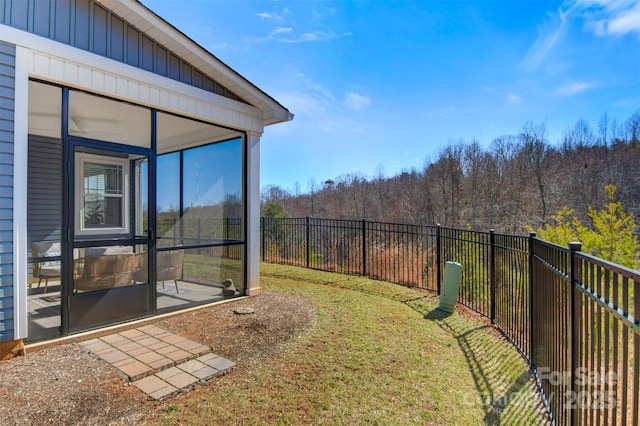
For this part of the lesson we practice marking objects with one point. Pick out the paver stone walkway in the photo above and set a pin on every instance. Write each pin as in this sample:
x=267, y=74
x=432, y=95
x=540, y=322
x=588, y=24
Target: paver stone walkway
x=158, y=362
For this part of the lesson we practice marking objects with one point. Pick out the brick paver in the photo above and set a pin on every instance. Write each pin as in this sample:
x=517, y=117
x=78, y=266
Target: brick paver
x=177, y=377
x=219, y=363
x=178, y=355
x=113, y=355
x=135, y=370
x=95, y=345
x=198, y=369
x=155, y=387
x=161, y=364
x=132, y=334
x=157, y=361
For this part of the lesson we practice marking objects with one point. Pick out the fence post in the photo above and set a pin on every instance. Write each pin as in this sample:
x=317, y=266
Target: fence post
x=178, y=229
x=438, y=258
x=307, y=245
x=175, y=230
x=364, y=247
x=262, y=238
x=226, y=236
x=492, y=272
x=532, y=235
x=575, y=275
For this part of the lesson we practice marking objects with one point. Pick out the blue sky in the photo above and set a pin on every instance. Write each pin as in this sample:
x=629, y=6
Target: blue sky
x=385, y=85
x=203, y=184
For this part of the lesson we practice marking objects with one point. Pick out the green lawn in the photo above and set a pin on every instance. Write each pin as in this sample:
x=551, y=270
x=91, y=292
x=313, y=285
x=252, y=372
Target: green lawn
x=380, y=354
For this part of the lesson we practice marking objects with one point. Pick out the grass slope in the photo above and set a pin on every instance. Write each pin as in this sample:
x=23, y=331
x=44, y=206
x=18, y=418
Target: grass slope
x=380, y=354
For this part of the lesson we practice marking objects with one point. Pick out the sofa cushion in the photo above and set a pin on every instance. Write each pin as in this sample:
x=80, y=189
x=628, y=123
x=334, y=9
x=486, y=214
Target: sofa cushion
x=51, y=264
x=47, y=247
x=99, y=251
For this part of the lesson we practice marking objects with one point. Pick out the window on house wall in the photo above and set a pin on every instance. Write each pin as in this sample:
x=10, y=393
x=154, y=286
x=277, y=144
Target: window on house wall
x=102, y=195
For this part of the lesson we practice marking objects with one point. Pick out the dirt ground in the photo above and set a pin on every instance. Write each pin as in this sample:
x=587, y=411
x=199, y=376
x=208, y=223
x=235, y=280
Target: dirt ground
x=67, y=385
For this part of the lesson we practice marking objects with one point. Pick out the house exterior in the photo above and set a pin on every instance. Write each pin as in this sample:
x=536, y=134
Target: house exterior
x=129, y=169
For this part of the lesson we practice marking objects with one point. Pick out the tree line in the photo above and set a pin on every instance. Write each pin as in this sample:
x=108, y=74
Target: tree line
x=518, y=183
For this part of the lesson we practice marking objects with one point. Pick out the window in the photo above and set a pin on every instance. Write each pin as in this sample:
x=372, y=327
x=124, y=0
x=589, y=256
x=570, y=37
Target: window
x=101, y=195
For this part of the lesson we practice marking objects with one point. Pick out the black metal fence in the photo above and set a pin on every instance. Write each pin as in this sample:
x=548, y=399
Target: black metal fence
x=572, y=316
x=220, y=237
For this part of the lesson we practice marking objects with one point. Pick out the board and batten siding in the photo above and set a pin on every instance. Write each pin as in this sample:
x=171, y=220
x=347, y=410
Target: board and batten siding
x=89, y=26
x=44, y=196
x=7, y=90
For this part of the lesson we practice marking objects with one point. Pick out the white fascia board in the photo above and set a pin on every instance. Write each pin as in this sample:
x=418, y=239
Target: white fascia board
x=67, y=65
x=135, y=13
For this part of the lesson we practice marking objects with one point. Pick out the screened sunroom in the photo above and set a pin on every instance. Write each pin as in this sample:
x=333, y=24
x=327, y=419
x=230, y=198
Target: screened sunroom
x=129, y=183
x=146, y=196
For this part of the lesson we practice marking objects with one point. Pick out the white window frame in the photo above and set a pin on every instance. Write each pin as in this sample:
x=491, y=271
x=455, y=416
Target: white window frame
x=80, y=160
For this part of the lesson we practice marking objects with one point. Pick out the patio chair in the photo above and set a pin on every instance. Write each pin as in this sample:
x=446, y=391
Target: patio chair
x=46, y=270
x=169, y=267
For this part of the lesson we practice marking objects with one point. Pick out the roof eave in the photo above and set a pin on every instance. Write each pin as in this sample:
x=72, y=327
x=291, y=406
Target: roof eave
x=146, y=20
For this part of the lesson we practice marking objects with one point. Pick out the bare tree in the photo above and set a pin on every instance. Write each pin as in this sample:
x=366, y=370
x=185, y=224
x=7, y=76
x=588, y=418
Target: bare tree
x=536, y=150
x=519, y=181
x=472, y=168
x=603, y=129
x=446, y=176
x=313, y=187
x=631, y=129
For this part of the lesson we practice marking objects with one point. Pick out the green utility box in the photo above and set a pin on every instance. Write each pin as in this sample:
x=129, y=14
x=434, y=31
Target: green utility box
x=449, y=292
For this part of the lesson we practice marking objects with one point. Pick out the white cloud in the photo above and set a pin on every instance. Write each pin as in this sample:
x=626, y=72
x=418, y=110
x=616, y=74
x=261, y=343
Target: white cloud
x=310, y=36
x=513, y=99
x=356, y=101
x=303, y=103
x=285, y=35
x=548, y=36
x=220, y=46
x=574, y=87
x=314, y=112
x=313, y=36
x=270, y=16
x=317, y=109
x=626, y=21
x=610, y=17
x=312, y=86
x=309, y=96
x=282, y=30
x=226, y=46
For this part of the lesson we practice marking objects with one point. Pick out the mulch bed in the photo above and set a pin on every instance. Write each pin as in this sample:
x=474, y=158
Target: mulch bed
x=66, y=384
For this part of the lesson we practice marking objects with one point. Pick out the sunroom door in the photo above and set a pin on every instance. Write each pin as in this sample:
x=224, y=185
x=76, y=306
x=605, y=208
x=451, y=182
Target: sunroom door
x=110, y=241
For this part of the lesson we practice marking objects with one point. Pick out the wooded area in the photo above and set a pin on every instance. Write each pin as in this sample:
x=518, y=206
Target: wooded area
x=516, y=184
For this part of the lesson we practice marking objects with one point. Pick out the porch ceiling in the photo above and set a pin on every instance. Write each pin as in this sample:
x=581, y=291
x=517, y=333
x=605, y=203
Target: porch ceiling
x=104, y=120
